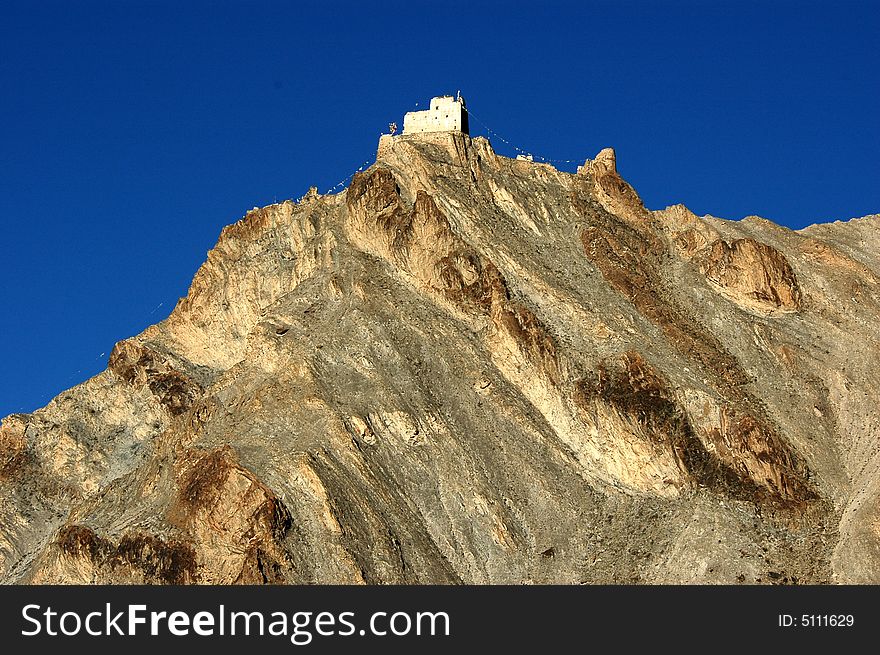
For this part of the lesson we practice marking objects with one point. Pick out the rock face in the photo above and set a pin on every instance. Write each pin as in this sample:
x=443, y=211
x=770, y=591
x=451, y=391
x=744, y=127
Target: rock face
x=467, y=368
x=752, y=274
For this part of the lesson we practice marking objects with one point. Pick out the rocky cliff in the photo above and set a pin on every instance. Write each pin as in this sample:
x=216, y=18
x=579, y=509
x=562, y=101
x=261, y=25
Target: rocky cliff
x=467, y=368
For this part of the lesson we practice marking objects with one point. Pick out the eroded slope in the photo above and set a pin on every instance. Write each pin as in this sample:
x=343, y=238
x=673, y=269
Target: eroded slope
x=467, y=368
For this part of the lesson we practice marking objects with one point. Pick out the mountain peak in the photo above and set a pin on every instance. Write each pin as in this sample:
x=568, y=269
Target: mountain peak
x=458, y=364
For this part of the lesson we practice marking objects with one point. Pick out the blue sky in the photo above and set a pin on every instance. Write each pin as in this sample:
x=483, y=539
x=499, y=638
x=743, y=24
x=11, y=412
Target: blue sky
x=132, y=132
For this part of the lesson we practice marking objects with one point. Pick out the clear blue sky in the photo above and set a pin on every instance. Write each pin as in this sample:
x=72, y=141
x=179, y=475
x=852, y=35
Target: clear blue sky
x=132, y=132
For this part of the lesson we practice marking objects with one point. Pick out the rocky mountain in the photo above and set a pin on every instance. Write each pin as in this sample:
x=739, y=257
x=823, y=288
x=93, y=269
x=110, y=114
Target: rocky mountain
x=466, y=368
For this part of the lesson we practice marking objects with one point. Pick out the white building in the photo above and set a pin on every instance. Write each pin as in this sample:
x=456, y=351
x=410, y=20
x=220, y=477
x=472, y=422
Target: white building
x=447, y=114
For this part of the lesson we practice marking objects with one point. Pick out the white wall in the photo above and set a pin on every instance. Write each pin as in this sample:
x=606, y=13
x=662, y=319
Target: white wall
x=446, y=113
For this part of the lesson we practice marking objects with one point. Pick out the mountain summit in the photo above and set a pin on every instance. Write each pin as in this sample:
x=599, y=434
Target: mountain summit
x=470, y=368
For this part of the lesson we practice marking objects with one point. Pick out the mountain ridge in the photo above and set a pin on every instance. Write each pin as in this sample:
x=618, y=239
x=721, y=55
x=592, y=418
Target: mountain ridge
x=468, y=368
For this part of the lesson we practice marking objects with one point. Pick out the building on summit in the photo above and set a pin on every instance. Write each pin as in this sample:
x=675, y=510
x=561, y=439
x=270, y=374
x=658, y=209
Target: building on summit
x=446, y=114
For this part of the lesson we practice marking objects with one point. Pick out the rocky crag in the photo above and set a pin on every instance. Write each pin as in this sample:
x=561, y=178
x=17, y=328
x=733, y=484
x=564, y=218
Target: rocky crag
x=471, y=369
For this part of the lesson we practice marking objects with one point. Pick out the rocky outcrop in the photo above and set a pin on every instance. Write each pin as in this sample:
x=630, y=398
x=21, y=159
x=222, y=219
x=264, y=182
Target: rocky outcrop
x=467, y=368
x=219, y=525
x=84, y=557
x=610, y=189
x=237, y=523
x=13, y=447
x=140, y=366
x=740, y=457
x=752, y=274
